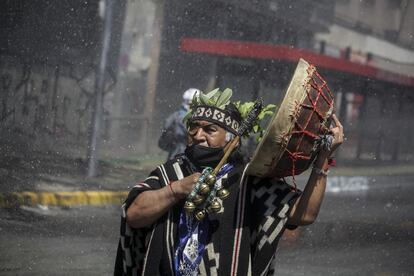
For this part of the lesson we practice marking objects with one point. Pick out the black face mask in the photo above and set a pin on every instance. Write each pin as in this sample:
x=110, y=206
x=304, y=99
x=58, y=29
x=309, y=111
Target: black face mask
x=202, y=156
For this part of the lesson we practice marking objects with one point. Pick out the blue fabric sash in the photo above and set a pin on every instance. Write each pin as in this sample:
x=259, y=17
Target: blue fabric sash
x=192, y=239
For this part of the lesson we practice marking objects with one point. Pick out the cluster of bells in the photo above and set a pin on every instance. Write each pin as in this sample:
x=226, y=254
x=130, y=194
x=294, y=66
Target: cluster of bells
x=204, y=200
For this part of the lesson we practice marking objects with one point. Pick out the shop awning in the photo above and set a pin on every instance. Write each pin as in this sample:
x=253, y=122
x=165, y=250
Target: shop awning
x=241, y=49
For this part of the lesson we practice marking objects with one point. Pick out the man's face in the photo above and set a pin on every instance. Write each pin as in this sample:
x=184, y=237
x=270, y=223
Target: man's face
x=206, y=134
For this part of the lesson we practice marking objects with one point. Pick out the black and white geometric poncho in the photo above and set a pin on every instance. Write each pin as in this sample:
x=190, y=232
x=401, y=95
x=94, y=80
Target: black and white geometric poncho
x=242, y=238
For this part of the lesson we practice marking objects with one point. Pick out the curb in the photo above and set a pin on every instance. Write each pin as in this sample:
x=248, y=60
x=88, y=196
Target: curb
x=343, y=185
x=96, y=198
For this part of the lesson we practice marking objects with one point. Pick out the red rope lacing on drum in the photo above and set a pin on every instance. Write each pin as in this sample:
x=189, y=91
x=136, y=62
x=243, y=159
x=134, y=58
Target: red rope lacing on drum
x=315, y=84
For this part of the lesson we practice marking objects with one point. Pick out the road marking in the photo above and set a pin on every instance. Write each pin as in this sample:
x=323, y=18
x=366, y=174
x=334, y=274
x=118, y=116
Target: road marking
x=337, y=184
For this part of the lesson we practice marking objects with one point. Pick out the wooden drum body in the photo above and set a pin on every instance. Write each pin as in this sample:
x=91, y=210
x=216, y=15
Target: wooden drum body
x=290, y=142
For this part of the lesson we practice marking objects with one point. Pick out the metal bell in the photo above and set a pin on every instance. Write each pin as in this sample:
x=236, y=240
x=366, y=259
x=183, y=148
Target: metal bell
x=189, y=206
x=215, y=206
x=204, y=189
x=223, y=194
x=210, y=179
x=198, y=199
x=200, y=214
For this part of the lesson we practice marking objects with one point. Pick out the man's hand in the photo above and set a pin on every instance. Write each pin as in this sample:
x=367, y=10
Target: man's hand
x=184, y=186
x=337, y=132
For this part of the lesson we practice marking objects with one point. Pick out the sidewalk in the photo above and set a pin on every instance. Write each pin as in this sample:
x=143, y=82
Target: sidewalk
x=56, y=180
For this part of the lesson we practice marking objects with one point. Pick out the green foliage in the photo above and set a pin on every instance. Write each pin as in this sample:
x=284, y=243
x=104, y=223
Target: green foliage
x=213, y=98
x=244, y=110
x=220, y=99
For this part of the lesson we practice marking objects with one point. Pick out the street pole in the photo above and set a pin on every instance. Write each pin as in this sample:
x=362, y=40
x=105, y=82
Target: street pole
x=95, y=126
x=153, y=71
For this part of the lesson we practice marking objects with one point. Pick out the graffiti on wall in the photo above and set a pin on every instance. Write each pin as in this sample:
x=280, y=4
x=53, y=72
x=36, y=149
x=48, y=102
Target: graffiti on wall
x=48, y=101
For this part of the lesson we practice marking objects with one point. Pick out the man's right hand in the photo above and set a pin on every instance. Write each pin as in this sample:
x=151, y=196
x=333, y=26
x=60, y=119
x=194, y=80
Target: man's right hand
x=183, y=187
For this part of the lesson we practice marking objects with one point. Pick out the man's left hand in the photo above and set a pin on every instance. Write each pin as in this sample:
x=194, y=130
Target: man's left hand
x=337, y=132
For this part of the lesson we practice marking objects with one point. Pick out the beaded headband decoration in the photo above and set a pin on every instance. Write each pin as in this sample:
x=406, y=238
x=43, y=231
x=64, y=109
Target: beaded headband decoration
x=216, y=107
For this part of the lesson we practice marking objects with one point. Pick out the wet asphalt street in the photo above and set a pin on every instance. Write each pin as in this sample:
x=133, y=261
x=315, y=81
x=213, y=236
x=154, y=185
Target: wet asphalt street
x=365, y=227
x=55, y=241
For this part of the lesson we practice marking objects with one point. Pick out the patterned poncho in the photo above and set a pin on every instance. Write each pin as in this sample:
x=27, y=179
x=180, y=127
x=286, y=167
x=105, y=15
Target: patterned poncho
x=242, y=237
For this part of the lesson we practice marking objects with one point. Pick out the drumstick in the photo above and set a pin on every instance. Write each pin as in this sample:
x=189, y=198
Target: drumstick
x=226, y=147
x=245, y=126
x=230, y=146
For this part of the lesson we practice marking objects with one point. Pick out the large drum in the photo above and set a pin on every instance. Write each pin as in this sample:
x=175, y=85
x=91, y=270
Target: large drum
x=291, y=139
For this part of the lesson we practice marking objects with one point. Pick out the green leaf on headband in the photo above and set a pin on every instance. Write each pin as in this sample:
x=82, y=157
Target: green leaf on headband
x=212, y=93
x=221, y=99
x=244, y=110
x=204, y=99
x=224, y=98
x=266, y=111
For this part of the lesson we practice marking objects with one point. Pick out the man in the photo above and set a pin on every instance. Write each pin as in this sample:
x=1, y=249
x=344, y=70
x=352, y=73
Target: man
x=174, y=134
x=160, y=238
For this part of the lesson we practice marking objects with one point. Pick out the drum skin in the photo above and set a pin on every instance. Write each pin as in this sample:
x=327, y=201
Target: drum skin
x=289, y=144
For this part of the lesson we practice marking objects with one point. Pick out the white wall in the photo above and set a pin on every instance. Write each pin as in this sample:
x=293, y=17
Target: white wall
x=400, y=60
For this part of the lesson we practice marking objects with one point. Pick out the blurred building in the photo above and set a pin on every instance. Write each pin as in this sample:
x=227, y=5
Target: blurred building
x=376, y=107
x=253, y=47
x=49, y=52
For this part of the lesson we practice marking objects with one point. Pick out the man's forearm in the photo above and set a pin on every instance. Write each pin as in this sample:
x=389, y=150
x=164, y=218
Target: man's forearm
x=307, y=207
x=149, y=206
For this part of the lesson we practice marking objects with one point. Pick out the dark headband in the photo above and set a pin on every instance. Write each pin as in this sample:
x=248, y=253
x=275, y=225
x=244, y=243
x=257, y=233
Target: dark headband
x=216, y=115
